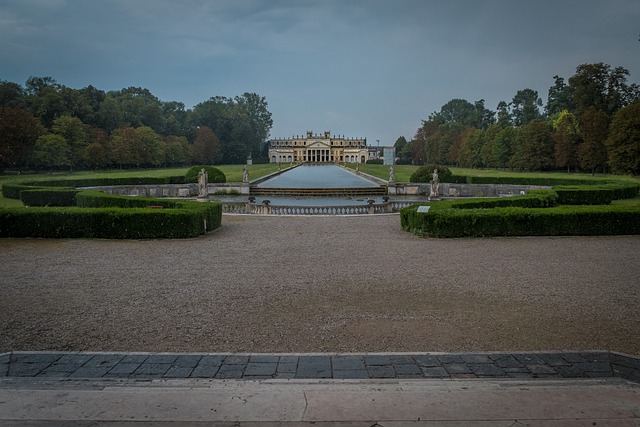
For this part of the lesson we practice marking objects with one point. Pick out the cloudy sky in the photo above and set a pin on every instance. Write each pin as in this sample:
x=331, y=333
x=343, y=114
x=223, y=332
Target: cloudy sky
x=366, y=68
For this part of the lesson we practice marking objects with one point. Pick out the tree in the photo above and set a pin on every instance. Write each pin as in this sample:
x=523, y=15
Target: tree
x=566, y=137
x=623, y=142
x=77, y=135
x=50, y=152
x=206, y=146
x=600, y=86
x=560, y=97
x=462, y=112
x=110, y=115
x=44, y=99
x=176, y=151
x=485, y=117
x=97, y=153
x=470, y=155
x=11, y=94
x=594, y=128
x=19, y=131
x=403, y=152
x=422, y=147
x=504, y=116
x=535, y=148
x=525, y=106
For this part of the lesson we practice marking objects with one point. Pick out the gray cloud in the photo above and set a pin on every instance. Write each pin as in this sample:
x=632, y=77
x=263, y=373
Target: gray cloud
x=367, y=68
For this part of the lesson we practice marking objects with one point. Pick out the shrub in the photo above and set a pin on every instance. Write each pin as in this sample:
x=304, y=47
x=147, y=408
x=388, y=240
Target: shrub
x=557, y=221
x=375, y=161
x=115, y=217
x=49, y=196
x=423, y=174
x=595, y=195
x=214, y=174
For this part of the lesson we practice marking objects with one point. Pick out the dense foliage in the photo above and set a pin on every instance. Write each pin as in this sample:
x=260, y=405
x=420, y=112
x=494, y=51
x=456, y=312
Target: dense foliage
x=591, y=124
x=99, y=215
x=213, y=174
x=557, y=212
x=425, y=174
x=47, y=126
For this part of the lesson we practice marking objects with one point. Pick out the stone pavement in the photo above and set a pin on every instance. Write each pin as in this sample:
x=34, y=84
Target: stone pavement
x=241, y=366
x=323, y=390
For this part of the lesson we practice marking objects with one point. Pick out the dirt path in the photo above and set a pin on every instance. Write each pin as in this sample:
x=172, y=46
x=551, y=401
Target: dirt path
x=306, y=284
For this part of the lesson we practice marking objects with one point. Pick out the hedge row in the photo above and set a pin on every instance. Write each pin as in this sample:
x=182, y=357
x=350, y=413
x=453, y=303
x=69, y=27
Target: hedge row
x=113, y=217
x=595, y=195
x=556, y=221
x=533, y=199
x=49, y=197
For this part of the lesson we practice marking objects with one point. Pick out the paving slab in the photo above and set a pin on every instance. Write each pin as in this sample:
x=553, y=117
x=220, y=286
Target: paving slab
x=384, y=403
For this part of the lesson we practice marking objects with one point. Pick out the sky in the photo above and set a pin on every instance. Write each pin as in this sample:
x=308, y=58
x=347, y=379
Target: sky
x=358, y=68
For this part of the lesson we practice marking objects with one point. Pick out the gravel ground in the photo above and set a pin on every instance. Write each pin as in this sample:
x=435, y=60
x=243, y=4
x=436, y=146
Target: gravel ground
x=320, y=284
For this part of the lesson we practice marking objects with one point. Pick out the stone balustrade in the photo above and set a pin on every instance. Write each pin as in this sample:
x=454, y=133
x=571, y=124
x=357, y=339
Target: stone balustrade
x=262, y=209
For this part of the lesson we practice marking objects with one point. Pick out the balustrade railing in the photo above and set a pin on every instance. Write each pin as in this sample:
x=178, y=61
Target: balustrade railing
x=262, y=209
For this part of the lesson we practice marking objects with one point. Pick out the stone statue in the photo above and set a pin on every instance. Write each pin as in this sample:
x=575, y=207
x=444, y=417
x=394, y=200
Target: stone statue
x=435, y=184
x=392, y=174
x=203, y=181
x=245, y=174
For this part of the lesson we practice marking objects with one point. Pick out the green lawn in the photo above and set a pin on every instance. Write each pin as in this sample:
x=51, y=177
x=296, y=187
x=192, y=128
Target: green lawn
x=232, y=172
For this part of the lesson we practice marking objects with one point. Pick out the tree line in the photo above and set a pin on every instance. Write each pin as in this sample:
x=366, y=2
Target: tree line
x=48, y=126
x=590, y=123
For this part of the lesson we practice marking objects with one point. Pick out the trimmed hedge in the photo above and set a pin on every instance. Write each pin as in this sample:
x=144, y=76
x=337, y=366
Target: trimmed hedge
x=533, y=199
x=49, y=197
x=110, y=223
x=213, y=174
x=557, y=221
x=113, y=217
x=423, y=174
x=595, y=195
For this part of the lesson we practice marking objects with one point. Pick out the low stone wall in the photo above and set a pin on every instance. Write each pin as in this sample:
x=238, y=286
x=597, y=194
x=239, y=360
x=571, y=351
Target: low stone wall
x=173, y=190
x=464, y=190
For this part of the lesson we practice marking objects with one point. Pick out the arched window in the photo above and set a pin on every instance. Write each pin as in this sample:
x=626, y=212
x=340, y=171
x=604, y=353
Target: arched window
x=273, y=159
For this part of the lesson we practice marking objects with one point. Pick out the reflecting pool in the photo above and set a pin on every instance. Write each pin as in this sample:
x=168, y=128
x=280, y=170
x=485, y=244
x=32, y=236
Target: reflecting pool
x=317, y=176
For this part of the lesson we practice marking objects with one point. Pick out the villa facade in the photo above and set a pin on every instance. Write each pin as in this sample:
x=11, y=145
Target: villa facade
x=324, y=148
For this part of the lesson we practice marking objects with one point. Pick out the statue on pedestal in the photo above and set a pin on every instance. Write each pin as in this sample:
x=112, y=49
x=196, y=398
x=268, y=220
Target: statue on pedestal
x=203, y=181
x=392, y=175
x=435, y=184
x=245, y=174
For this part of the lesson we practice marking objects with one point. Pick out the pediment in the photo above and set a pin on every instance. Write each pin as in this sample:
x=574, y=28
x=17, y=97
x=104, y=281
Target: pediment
x=318, y=144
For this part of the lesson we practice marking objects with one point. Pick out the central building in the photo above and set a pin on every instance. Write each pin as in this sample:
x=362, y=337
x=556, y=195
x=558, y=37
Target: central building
x=312, y=148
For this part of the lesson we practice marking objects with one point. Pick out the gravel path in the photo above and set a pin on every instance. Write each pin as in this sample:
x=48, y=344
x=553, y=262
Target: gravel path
x=325, y=284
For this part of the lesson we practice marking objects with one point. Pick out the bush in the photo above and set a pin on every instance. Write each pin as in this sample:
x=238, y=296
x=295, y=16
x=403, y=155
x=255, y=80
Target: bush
x=595, y=195
x=115, y=217
x=533, y=199
x=49, y=197
x=423, y=174
x=375, y=161
x=215, y=174
x=557, y=221
x=108, y=223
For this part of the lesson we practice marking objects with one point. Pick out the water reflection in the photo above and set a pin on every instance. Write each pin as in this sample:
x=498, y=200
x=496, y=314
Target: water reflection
x=317, y=176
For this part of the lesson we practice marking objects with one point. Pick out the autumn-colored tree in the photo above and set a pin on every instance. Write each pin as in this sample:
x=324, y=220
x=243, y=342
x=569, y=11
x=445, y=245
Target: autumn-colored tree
x=566, y=137
x=535, y=151
x=594, y=127
x=19, y=131
x=206, y=146
x=623, y=142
